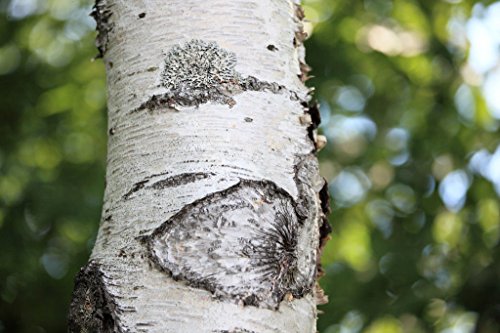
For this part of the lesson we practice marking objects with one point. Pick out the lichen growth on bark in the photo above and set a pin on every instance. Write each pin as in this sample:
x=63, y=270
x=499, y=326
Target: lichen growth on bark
x=198, y=72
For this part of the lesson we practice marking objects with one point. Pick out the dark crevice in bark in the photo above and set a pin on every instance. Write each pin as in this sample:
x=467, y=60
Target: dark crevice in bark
x=324, y=197
x=101, y=13
x=137, y=186
x=272, y=47
x=144, y=327
x=234, y=330
x=221, y=94
x=177, y=180
x=198, y=72
x=93, y=308
x=311, y=109
x=325, y=228
x=181, y=179
x=203, y=245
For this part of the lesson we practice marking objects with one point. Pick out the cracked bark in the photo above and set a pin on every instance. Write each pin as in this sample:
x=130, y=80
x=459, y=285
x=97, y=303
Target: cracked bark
x=214, y=212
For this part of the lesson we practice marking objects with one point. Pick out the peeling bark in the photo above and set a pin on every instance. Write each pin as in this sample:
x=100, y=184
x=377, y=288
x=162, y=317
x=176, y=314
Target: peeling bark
x=101, y=12
x=214, y=213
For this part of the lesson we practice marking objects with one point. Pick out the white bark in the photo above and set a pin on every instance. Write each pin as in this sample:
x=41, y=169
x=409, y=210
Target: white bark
x=200, y=187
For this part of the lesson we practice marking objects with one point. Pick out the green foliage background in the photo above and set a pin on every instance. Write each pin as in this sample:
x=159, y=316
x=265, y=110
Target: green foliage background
x=415, y=213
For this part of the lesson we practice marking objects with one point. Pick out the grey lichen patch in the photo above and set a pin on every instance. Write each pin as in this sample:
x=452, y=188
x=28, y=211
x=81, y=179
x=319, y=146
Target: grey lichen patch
x=246, y=244
x=92, y=308
x=101, y=13
x=200, y=71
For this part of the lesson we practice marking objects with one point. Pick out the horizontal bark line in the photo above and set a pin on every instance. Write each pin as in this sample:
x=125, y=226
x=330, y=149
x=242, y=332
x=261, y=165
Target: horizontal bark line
x=234, y=330
x=221, y=94
x=173, y=181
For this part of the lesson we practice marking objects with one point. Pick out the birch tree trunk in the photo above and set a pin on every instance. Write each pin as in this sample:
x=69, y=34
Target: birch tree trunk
x=214, y=210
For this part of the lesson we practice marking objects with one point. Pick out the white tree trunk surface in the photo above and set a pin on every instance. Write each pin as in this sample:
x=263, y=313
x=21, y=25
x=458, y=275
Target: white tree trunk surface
x=212, y=210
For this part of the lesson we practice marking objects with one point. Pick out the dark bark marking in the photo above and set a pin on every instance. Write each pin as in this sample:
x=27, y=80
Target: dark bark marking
x=324, y=197
x=174, y=181
x=142, y=15
x=106, y=229
x=324, y=236
x=144, y=326
x=93, y=308
x=201, y=245
x=181, y=179
x=313, y=110
x=312, y=118
x=221, y=94
x=272, y=48
x=137, y=186
x=101, y=13
x=198, y=72
x=234, y=330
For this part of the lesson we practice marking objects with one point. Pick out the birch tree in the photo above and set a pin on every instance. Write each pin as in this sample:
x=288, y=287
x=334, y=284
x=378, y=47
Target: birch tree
x=214, y=210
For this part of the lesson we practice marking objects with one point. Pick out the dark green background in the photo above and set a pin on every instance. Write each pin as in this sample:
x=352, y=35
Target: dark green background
x=403, y=124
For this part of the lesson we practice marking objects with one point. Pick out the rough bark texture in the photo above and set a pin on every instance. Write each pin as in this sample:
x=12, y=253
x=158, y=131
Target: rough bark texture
x=214, y=210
